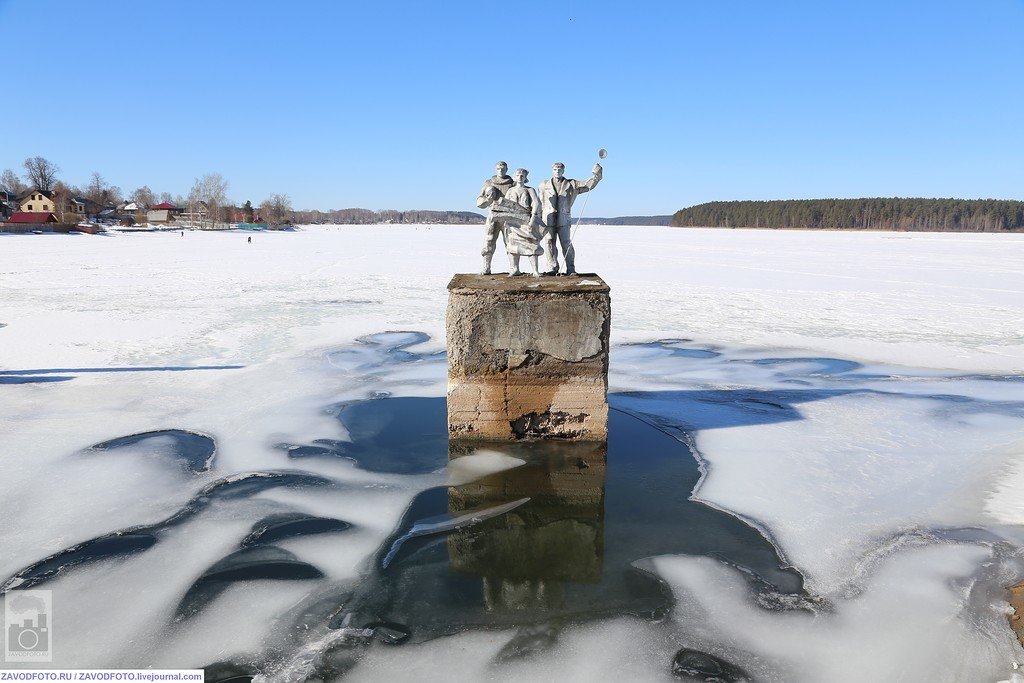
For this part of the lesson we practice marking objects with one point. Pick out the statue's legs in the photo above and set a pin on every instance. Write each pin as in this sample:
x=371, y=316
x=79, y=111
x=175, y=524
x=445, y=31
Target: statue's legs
x=549, y=247
x=534, y=266
x=493, y=229
x=568, y=251
x=513, y=265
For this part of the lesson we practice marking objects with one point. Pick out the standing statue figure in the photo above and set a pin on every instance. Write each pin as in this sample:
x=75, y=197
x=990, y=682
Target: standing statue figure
x=494, y=189
x=522, y=226
x=556, y=196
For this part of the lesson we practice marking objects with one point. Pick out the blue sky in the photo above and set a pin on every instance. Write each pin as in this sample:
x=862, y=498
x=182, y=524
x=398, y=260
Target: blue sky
x=408, y=105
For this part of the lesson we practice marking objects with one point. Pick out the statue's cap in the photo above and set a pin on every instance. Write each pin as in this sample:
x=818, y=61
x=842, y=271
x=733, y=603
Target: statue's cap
x=501, y=163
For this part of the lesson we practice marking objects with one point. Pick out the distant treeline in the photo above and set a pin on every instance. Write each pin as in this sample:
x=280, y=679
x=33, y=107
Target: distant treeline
x=367, y=217
x=630, y=220
x=959, y=215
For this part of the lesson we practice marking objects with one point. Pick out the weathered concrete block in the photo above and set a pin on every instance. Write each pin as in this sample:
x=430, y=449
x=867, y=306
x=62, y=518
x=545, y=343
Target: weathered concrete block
x=528, y=357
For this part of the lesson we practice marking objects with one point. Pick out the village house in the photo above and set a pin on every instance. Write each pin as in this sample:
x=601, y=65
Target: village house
x=8, y=204
x=134, y=210
x=83, y=207
x=165, y=212
x=32, y=218
x=36, y=201
x=173, y=209
x=159, y=216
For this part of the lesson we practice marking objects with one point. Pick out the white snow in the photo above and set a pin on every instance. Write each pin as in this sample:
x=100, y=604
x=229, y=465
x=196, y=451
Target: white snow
x=909, y=624
x=838, y=480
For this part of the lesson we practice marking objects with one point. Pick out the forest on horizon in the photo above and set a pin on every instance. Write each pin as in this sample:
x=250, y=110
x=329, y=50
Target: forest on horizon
x=896, y=213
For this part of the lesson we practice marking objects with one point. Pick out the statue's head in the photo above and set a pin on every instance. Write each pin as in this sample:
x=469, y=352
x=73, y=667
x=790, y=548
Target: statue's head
x=558, y=170
x=521, y=175
x=501, y=168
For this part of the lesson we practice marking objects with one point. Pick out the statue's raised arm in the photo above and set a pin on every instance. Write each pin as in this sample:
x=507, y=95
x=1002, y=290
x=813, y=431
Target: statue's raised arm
x=590, y=183
x=557, y=195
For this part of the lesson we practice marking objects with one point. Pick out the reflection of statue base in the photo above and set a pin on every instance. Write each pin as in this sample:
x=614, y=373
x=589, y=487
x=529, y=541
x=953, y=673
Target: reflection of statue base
x=557, y=537
x=528, y=358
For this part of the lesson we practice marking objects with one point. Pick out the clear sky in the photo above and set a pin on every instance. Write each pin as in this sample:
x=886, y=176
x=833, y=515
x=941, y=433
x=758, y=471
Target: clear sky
x=407, y=105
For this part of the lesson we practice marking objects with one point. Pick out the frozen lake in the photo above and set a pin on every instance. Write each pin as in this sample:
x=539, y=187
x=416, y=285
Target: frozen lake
x=232, y=454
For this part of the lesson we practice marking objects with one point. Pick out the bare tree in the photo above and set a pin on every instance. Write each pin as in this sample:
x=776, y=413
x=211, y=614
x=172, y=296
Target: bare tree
x=62, y=203
x=114, y=195
x=41, y=174
x=276, y=209
x=10, y=182
x=207, y=197
x=96, y=190
x=144, y=197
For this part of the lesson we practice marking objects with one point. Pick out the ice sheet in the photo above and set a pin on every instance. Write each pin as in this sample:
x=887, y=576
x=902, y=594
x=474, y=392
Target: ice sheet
x=844, y=390
x=914, y=622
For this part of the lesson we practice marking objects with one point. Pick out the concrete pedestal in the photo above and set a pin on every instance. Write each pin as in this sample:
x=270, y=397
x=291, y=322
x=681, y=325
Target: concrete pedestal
x=528, y=357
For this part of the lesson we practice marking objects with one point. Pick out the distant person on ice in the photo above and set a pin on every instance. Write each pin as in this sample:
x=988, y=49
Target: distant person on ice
x=522, y=228
x=250, y=239
x=557, y=194
x=493, y=190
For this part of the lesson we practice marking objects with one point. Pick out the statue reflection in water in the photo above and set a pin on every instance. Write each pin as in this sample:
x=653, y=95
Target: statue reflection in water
x=564, y=537
x=556, y=538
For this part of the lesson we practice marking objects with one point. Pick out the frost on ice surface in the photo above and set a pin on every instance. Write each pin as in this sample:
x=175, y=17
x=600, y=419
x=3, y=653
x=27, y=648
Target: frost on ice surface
x=814, y=475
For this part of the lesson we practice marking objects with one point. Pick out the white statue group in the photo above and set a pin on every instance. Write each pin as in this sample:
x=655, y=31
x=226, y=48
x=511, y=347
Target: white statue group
x=523, y=217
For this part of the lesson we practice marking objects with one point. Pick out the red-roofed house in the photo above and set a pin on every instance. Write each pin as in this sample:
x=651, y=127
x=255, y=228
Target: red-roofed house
x=36, y=217
x=167, y=206
x=163, y=212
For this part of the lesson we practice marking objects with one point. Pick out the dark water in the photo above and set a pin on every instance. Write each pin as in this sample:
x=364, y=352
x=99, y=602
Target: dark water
x=564, y=538
x=261, y=562
x=32, y=379
x=568, y=543
x=816, y=366
x=377, y=351
x=284, y=525
x=138, y=538
x=675, y=348
x=193, y=450
x=401, y=436
x=43, y=375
